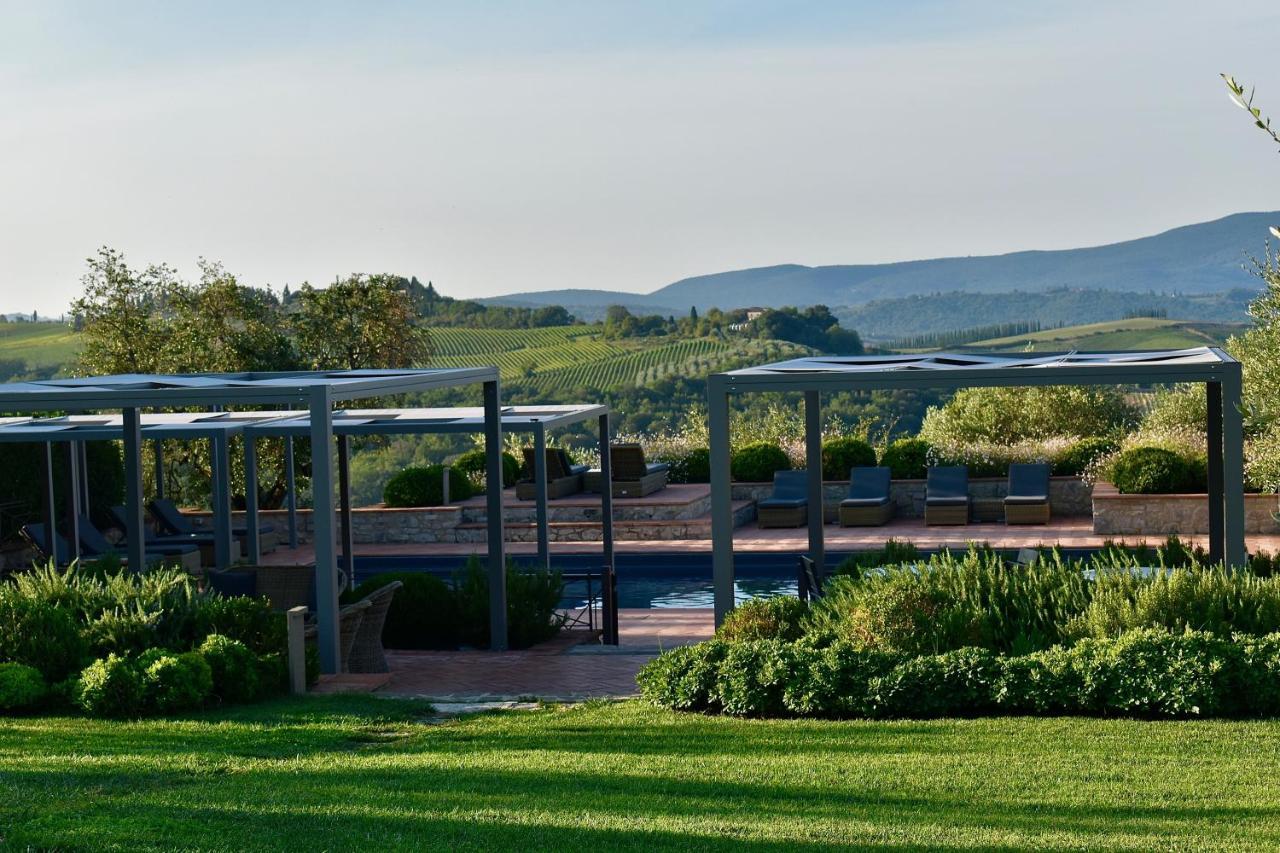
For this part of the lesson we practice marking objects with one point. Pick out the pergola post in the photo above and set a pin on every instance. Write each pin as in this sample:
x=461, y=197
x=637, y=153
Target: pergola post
x=606, y=532
x=223, y=542
x=344, y=509
x=1233, y=464
x=291, y=498
x=540, y=494
x=85, y=500
x=71, y=510
x=252, y=540
x=721, y=498
x=135, y=532
x=1217, y=503
x=49, y=506
x=321, y=425
x=813, y=464
x=493, y=511
x=158, y=447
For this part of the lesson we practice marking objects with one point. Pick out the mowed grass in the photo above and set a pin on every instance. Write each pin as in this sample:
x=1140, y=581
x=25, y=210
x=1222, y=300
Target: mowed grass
x=39, y=344
x=1131, y=334
x=343, y=773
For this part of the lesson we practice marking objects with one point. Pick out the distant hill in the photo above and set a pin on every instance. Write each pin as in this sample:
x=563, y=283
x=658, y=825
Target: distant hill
x=894, y=319
x=1194, y=259
x=1134, y=333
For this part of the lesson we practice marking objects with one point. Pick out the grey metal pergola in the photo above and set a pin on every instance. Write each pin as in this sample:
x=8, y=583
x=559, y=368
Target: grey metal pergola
x=317, y=391
x=536, y=420
x=814, y=376
x=73, y=431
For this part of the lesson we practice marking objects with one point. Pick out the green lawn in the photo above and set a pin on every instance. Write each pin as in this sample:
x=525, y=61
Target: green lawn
x=358, y=772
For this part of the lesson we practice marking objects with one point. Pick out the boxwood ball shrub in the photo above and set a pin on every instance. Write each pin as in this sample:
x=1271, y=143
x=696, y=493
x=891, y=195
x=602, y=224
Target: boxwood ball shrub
x=111, y=687
x=40, y=634
x=1078, y=456
x=423, y=613
x=424, y=486
x=22, y=687
x=174, y=682
x=907, y=458
x=757, y=462
x=233, y=667
x=841, y=454
x=1151, y=471
x=691, y=467
x=474, y=463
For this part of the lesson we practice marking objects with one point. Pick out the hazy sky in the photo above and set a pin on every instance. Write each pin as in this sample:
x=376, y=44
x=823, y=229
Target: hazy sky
x=498, y=147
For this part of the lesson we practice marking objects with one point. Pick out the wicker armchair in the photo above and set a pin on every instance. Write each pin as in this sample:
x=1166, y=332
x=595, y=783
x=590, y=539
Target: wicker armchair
x=287, y=586
x=367, y=653
x=349, y=619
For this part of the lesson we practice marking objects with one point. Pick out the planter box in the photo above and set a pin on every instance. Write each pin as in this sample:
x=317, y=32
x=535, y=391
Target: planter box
x=1115, y=514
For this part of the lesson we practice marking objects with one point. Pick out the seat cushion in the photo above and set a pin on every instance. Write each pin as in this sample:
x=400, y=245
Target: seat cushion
x=947, y=501
x=1026, y=500
x=864, y=502
x=782, y=503
x=234, y=583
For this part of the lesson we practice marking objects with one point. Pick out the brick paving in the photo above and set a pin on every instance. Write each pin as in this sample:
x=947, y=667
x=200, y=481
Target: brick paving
x=566, y=668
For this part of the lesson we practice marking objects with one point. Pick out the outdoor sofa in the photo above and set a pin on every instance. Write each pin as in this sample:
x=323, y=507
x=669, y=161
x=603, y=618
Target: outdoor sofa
x=946, y=498
x=633, y=477
x=868, y=503
x=1028, y=498
x=563, y=477
x=788, y=506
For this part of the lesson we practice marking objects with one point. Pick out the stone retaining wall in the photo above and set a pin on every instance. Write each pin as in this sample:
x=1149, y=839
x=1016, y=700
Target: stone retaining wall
x=1115, y=514
x=1068, y=496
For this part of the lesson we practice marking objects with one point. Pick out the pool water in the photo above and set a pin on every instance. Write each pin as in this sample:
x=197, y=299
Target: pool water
x=671, y=592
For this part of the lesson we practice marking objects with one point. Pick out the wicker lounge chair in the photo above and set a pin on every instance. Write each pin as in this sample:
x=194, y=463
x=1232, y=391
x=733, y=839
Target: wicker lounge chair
x=367, y=653
x=868, y=503
x=563, y=477
x=35, y=534
x=947, y=495
x=349, y=619
x=93, y=543
x=633, y=477
x=789, y=503
x=171, y=521
x=1028, y=498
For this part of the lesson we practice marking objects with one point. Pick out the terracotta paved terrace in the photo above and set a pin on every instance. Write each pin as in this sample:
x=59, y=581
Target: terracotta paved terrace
x=570, y=667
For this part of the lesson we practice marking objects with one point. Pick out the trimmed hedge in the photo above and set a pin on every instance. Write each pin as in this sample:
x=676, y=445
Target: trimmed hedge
x=757, y=462
x=907, y=458
x=424, y=486
x=841, y=454
x=474, y=463
x=1148, y=673
x=778, y=618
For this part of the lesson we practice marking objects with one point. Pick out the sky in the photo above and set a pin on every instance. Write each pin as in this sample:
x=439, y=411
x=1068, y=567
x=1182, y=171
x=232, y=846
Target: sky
x=502, y=147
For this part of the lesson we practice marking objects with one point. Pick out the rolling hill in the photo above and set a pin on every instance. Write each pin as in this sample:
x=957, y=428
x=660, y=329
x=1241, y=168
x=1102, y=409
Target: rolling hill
x=563, y=358
x=38, y=349
x=1132, y=334
x=1208, y=257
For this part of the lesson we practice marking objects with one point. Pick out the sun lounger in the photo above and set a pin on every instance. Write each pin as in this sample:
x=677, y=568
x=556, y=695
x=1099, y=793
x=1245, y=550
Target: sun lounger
x=36, y=535
x=93, y=543
x=563, y=477
x=947, y=495
x=789, y=503
x=633, y=477
x=172, y=522
x=868, y=503
x=1028, y=498
x=202, y=539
